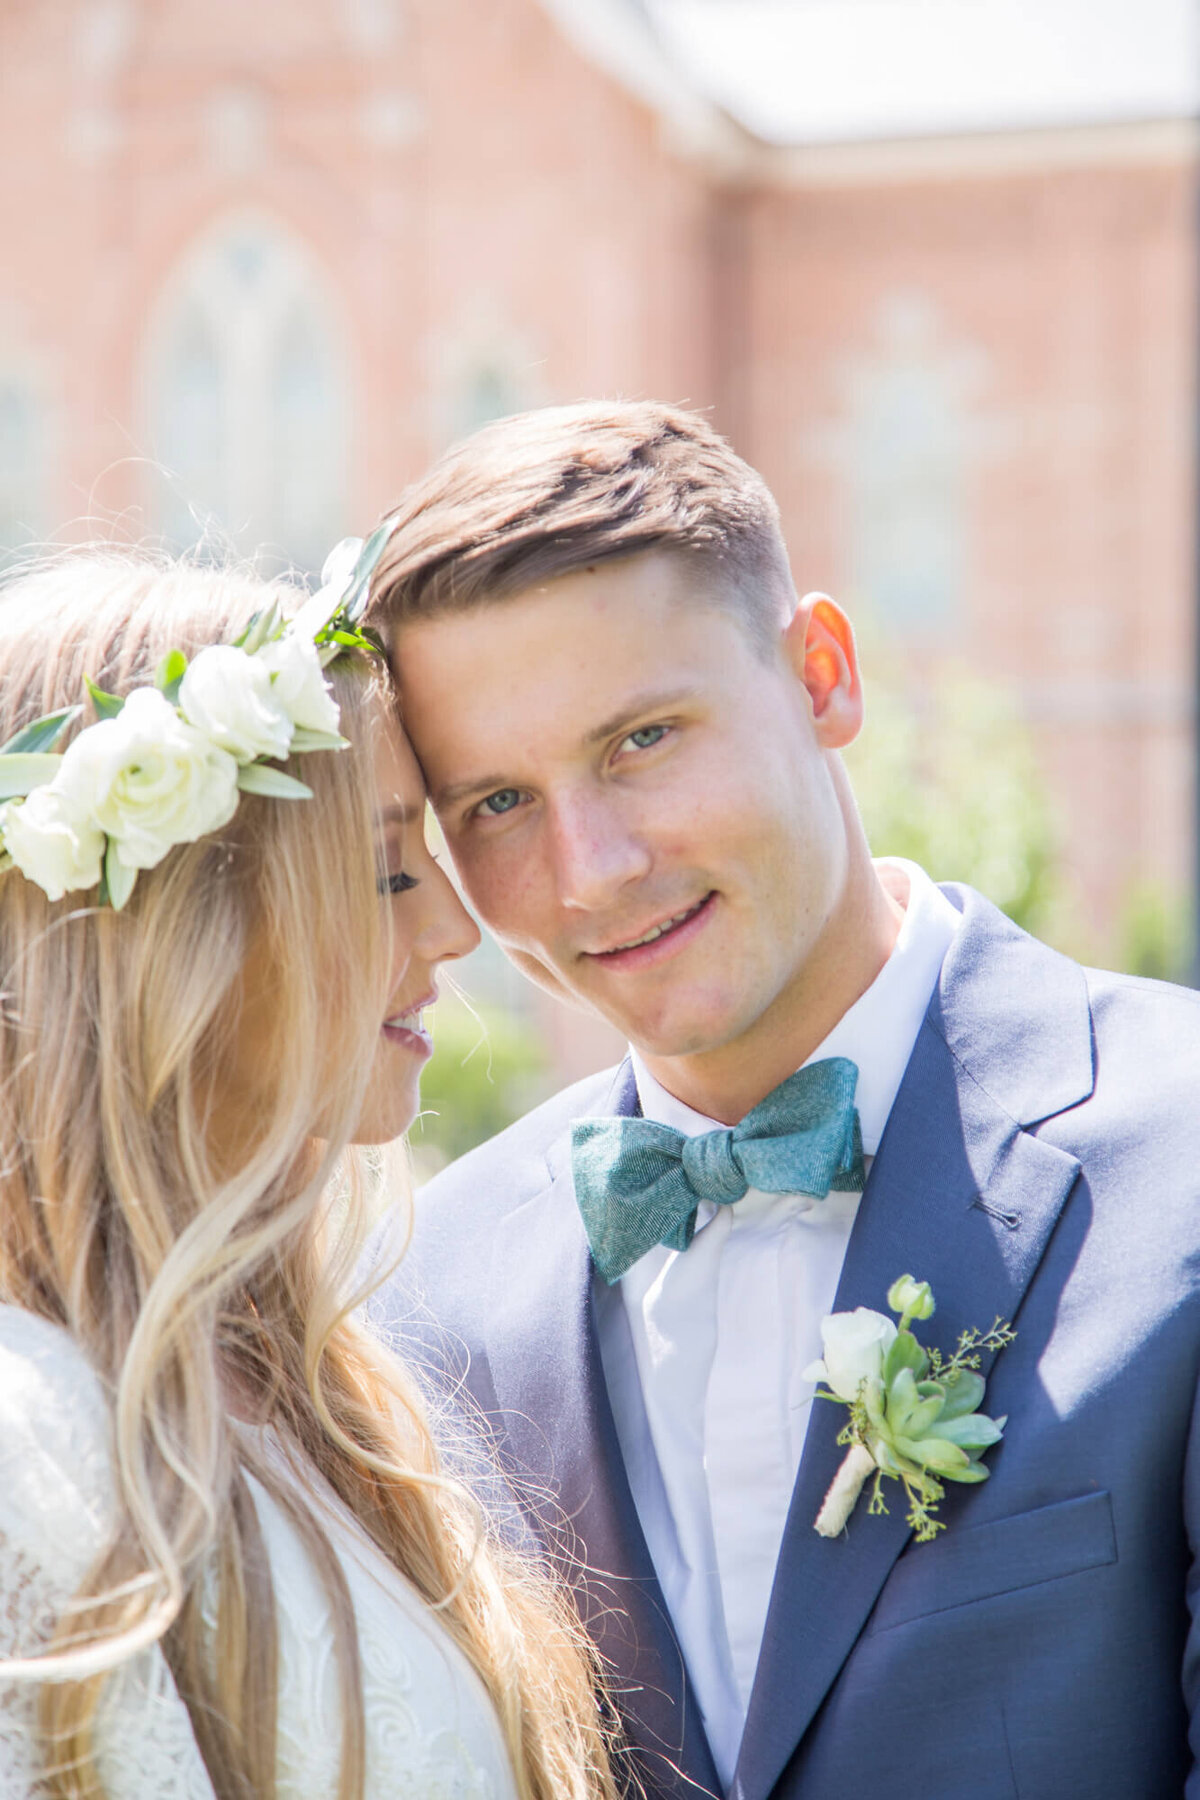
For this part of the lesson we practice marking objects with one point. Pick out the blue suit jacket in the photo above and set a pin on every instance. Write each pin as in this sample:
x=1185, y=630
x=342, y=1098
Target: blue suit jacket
x=1041, y=1163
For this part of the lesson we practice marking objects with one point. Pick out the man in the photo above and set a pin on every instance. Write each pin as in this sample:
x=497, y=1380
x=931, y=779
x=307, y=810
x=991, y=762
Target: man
x=630, y=729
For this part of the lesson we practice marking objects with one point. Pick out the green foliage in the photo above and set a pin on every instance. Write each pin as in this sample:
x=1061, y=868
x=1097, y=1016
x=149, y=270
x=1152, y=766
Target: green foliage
x=485, y=1071
x=945, y=774
x=40, y=738
x=358, y=591
x=22, y=771
x=106, y=706
x=1154, y=934
x=260, y=778
x=169, y=674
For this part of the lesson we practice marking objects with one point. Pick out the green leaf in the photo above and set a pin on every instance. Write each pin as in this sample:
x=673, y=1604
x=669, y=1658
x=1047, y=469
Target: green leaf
x=170, y=672
x=964, y=1390
x=873, y=1400
x=262, y=628
x=118, y=879
x=972, y=1472
x=260, y=778
x=902, y=1401
x=354, y=600
x=975, y=1432
x=107, y=705
x=933, y=1453
x=304, y=740
x=43, y=734
x=21, y=772
x=904, y=1352
x=923, y=1416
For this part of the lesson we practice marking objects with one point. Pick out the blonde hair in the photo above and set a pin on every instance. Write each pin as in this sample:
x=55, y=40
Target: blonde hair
x=188, y=1242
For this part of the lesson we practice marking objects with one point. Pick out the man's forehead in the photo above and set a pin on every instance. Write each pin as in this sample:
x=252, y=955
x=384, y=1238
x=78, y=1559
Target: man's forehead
x=643, y=577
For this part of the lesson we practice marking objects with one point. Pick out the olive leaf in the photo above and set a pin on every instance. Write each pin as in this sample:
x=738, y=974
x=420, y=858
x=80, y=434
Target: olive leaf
x=107, y=705
x=260, y=778
x=170, y=672
x=21, y=772
x=118, y=878
x=43, y=734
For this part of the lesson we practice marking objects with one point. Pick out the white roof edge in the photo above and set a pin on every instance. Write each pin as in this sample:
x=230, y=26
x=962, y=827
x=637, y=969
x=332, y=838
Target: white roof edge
x=953, y=156
x=617, y=36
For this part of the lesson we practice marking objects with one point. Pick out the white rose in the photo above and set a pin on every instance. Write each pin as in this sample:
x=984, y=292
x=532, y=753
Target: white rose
x=229, y=696
x=855, y=1346
x=148, y=780
x=50, y=845
x=298, y=683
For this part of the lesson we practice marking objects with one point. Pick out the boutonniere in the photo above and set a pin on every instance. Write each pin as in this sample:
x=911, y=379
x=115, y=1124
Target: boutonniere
x=913, y=1412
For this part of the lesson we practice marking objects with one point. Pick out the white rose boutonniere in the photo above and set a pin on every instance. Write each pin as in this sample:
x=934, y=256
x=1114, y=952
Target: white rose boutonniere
x=855, y=1346
x=231, y=698
x=50, y=845
x=913, y=1412
x=149, y=780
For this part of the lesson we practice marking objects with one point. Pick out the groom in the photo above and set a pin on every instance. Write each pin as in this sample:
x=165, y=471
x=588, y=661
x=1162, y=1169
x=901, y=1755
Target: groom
x=631, y=733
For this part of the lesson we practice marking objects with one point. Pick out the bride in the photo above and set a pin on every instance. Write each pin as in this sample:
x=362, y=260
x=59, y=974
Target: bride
x=229, y=1562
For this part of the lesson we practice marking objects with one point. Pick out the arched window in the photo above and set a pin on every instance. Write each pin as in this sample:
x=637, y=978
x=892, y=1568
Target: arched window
x=908, y=448
x=246, y=399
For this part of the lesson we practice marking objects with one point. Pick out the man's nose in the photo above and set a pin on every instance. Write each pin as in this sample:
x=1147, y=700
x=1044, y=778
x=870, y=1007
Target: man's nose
x=597, y=850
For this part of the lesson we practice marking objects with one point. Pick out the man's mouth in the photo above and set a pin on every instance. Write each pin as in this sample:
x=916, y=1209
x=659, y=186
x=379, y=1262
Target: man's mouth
x=663, y=929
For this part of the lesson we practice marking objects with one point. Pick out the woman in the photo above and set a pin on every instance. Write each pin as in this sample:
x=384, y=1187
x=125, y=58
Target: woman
x=229, y=1564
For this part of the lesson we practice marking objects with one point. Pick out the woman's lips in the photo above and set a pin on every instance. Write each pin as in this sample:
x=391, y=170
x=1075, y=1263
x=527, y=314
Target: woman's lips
x=405, y=1027
x=419, y=1041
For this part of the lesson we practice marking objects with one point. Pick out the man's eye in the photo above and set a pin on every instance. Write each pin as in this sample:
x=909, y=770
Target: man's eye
x=646, y=735
x=399, y=883
x=500, y=802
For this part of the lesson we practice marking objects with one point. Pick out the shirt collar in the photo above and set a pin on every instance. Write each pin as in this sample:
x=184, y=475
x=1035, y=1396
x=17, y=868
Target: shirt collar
x=879, y=1031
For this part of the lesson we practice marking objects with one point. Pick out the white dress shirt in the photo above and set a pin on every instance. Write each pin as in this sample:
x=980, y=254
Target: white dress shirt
x=703, y=1349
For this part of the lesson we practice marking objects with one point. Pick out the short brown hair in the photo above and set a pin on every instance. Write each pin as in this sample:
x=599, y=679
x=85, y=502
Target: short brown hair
x=543, y=494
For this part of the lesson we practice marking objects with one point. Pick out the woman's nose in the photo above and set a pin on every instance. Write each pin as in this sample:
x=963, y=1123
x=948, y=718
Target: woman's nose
x=447, y=929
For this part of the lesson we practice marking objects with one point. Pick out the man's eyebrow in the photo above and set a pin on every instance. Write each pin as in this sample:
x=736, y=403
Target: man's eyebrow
x=477, y=786
x=655, y=700
x=456, y=791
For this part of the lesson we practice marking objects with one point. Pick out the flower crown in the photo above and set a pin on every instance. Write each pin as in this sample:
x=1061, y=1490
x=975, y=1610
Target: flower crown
x=165, y=764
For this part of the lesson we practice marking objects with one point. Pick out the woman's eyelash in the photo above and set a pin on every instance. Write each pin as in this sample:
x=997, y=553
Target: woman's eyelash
x=399, y=883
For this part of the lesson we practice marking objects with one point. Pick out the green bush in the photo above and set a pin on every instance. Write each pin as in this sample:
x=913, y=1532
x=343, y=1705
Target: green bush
x=485, y=1071
x=945, y=774
x=1155, y=934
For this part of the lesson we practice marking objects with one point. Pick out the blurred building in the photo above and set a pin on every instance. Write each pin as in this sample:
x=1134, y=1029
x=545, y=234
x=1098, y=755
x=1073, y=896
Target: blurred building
x=263, y=261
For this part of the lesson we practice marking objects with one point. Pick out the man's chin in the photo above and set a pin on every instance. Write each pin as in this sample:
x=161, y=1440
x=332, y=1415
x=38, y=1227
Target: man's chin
x=679, y=1040
x=657, y=1038
x=546, y=979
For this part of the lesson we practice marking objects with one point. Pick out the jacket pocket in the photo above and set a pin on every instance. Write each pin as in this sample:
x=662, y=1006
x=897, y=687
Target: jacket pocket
x=978, y=1562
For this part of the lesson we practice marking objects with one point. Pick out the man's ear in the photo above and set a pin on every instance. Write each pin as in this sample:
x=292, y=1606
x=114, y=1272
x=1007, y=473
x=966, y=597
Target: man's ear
x=818, y=642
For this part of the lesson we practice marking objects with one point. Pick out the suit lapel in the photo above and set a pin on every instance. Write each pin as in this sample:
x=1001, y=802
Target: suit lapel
x=558, y=1431
x=959, y=1196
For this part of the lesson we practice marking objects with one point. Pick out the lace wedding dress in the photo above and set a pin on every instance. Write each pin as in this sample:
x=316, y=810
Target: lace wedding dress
x=431, y=1731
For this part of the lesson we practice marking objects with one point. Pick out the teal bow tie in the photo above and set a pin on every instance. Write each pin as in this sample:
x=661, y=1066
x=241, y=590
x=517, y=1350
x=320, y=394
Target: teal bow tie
x=638, y=1183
